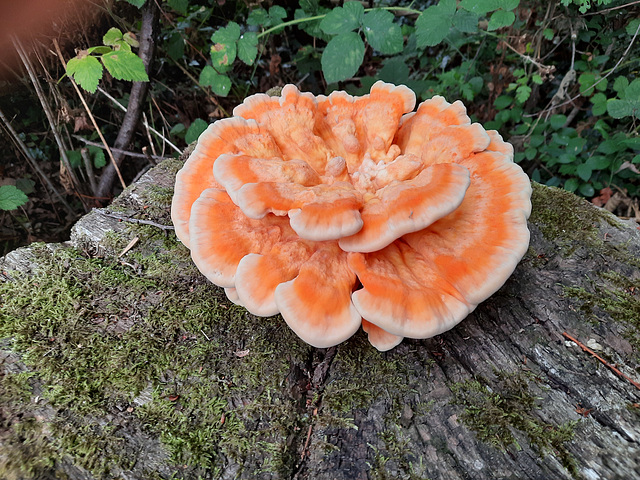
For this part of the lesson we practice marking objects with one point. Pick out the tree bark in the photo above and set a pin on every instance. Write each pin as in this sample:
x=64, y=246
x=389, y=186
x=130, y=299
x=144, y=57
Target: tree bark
x=137, y=98
x=502, y=395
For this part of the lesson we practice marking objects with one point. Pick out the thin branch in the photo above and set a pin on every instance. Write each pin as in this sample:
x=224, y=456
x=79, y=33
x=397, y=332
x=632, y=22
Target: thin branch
x=91, y=117
x=602, y=360
x=118, y=150
x=34, y=164
x=139, y=221
x=47, y=109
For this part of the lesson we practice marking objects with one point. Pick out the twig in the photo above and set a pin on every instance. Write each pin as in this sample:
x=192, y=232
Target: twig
x=153, y=130
x=600, y=12
x=47, y=109
x=139, y=221
x=91, y=117
x=608, y=365
x=88, y=165
x=34, y=164
x=118, y=150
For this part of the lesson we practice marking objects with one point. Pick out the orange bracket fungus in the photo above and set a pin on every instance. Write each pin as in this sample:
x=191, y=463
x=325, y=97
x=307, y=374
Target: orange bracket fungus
x=339, y=211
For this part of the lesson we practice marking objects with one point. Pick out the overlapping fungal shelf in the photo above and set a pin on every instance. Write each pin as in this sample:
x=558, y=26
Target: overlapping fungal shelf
x=344, y=211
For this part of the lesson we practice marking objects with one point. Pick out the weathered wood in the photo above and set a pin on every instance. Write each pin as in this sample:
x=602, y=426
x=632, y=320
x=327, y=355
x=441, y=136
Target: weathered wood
x=502, y=395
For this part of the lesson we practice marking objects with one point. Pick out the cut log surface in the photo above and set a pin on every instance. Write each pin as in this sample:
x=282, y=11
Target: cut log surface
x=143, y=369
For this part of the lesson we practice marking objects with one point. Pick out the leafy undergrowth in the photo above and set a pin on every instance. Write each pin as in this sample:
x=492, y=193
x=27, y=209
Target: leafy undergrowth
x=99, y=339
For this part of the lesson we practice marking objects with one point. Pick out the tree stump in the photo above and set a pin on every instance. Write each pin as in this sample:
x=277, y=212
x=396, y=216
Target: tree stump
x=119, y=360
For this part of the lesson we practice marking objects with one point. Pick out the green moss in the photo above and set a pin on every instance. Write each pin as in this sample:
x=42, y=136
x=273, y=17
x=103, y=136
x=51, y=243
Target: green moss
x=618, y=296
x=96, y=332
x=493, y=413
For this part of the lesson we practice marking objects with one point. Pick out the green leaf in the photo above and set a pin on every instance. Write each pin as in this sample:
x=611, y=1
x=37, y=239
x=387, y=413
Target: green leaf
x=508, y=5
x=502, y=102
x=632, y=26
x=97, y=153
x=433, y=25
x=277, y=14
x=99, y=50
x=587, y=190
x=584, y=172
x=599, y=101
x=632, y=92
x=75, y=159
x=523, y=92
x=480, y=7
x=258, y=17
x=178, y=129
x=86, y=71
x=530, y=153
x=228, y=34
x=26, y=185
x=342, y=57
x=180, y=6
x=381, y=33
x=466, y=22
x=548, y=34
x=343, y=19
x=175, y=46
x=620, y=85
x=248, y=47
x=557, y=121
x=500, y=19
x=598, y=162
x=112, y=37
x=195, y=130
x=571, y=185
x=136, y=3
x=125, y=65
x=11, y=197
x=223, y=50
x=220, y=84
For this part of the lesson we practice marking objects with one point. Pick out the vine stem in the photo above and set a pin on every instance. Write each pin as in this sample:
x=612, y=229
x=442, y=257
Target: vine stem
x=297, y=21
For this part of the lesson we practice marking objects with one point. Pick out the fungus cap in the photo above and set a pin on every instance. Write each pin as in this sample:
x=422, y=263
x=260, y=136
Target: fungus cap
x=339, y=211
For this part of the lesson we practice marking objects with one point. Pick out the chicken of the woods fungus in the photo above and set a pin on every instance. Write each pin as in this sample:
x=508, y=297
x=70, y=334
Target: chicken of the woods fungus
x=339, y=211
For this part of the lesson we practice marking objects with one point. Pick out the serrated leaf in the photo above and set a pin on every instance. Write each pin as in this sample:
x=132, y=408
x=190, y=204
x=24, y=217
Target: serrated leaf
x=97, y=154
x=343, y=19
x=508, y=5
x=112, y=37
x=620, y=84
x=180, y=6
x=381, y=33
x=277, y=14
x=548, y=34
x=26, y=185
x=86, y=71
x=195, y=130
x=99, y=50
x=258, y=17
x=618, y=108
x=632, y=92
x=342, y=57
x=500, y=19
x=248, y=47
x=220, y=84
x=466, y=21
x=599, y=101
x=11, y=197
x=480, y=7
x=523, y=92
x=131, y=39
x=433, y=25
x=632, y=26
x=227, y=35
x=125, y=65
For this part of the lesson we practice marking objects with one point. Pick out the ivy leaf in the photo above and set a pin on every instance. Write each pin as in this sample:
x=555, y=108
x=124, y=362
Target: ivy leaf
x=382, y=34
x=500, y=19
x=220, y=84
x=112, y=37
x=466, y=22
x=342, y=57
x=11, y=197
x=343, y=19
x=86, y=71
x=248, y=47
x=125, y=65
x=434, y=23
x=195, y=130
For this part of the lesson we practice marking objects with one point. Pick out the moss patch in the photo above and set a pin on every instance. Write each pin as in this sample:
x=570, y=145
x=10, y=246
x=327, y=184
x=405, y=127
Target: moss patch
x=96, y=333
x=495, y=412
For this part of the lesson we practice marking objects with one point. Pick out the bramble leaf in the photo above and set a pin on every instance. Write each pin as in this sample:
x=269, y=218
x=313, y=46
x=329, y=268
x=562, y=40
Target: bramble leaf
x=11, y=197
x=343, y=19
x=465, y=21
x=433, y=25
x=342, y=57
x=381, y=33
x=125, y=65
x=112, y=37
x=86, y=71
x=220, y=84
x=500, y=19
x=248, y=47
x=136, y=3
